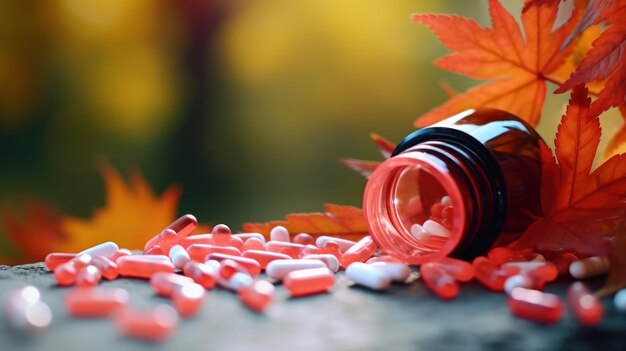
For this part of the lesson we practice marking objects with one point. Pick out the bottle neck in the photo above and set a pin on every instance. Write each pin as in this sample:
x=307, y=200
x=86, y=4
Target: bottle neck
x=430, y=201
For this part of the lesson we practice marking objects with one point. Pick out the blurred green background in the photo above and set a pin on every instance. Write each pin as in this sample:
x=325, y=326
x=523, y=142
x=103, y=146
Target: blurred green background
x=247, y=105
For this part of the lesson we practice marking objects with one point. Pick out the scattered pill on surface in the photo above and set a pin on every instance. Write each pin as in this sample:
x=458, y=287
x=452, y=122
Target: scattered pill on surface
x=359, y=252
x=304, y=239
x=309, y=281
x=120, y=253
x=188, y=299
x=108, y=269
x=139, y=266
x=205, y=239
x=156, y=324
x=291, y=249
x=236, y=282
x=81, y=261
x=228, y=268
x=461, y=270
x=221, y=235
x=105, y=249
x=396, y=271
x=369, y=276
x=165, y=283
x=88, y=277
x=278, y=269
x=246, y=236
x=254, y=243
x=331, y=247
x=201, y=273
x=96, y=302
x=167, y=239
x=257, y=296
x=179, y=256
x=251, y=265
x=589, y=267
x=383, y=258
x=184, y=225
x=438, y=281
x=518, y=281
x=55, y=259
x=329, y=260
x=279, y=233
x=535, y=305
x=434, y=228
x=587, y=308
x=199, y=252
x=65, y=274
x=154, y=250
x=264, y=257
x=344, y=244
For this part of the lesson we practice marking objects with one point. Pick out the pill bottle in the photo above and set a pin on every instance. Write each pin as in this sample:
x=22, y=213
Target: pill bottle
x=456, y=188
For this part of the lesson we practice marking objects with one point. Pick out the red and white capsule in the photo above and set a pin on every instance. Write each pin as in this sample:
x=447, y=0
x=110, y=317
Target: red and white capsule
x=586, y=307
x=309, y=281
x=535, y=305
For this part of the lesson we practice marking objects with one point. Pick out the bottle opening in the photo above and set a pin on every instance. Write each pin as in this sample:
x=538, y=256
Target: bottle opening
x=414, y=207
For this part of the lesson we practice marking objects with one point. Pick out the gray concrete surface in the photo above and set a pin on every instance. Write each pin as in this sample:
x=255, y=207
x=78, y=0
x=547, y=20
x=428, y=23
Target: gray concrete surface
x=407, y=317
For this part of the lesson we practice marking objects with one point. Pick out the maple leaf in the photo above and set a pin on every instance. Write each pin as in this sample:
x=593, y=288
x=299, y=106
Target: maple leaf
x=519, y=63
x=131, y=216
x=365, y=168
x=346, y=222
x=583, y=209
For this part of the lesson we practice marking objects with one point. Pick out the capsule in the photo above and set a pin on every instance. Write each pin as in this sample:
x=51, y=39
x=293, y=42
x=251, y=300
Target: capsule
x=278, y=269
x=205, y=239
x=55, y=259
x=80, y=261
x=199, y=252
x=107, y=268
x=492, y=276
x=436, y=229
x=201, y=273
x=460, y=270
x=359, y=252
x=586, y=307
x=344, y=244
x=368, y=276
x=540, y=272
x=304, y=239
x=332, y=248
x=237, y=282
x=310, y=250
x=620, y=300
x=120, y=253
x=221, y=235
x=291, y=249
x=165, y=284
x=236, y=242
x=188, y=299
x=25, y=312
x=383, y=258
x=279, y=233
x=228, y=268
x=88, y=277
x=396, y=271
x=257, y=296
x=246, y=236
x=252, y=266
x=96, y=302
x=561, y=260
x=179, y=256
x=184, y=225
x=154, y=250
x=65, y=274
x=105, y=249
x=330, y=261
x=309, y=281
x=589, y=267
x=439, y=282
x=167, y=239
x=140, y=267
x=535, y=305
x=153, y=325
x=254, y=243
x=519, y=281
x=264, y=257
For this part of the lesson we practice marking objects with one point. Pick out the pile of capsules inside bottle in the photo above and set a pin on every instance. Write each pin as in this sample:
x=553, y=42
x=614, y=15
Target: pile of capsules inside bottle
x=305, y=265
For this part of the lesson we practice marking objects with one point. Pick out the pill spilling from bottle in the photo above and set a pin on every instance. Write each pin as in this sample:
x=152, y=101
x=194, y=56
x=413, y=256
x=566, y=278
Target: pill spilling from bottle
x=182, y=267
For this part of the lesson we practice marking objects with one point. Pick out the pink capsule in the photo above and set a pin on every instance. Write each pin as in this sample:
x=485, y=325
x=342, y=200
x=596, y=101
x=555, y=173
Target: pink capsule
x=65, y=274
x=154, y=250
x=458, y=269
x=540, y=272
x=88, y=277
x=120, y=253
x=304, y=239
x=188, y=299
x=153, y=325
x=535, y=305
x=279, y=233
x=237, y=282
x=438, y=281
x=521, y=280
x=587, y=308
x=310, y=250
x=201, y=273
x=264, y=257
x=309, y=281
x=291, y=249
x=55, y=259
x=359, y=252
x=165, y=284
x=205, y=239
x=107, y=268
x=179, y=256
x=246, y=236
x=257, y=295
x=96, y=302
x=80, y=261
x=332, y=248
x=184, y=225
x=344, y=244
x=140, y=267
x=228, y=268
x=236, y=242
x=329, y=260
x=253, y=243
x=199, y=252
x=252, y=266
x=491, y=275
x=167, y=239
x=221, y=235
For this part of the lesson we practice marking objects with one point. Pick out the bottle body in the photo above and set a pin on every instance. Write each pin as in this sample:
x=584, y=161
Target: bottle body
x=456, y=188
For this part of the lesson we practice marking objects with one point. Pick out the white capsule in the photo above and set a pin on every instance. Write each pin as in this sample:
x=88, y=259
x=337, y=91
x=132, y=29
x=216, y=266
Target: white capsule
x=105, y=249
x=435, y=228
x=179, y=256
x=397, y=271
x=278, y=269
x=589, y=267
x=236, y=282
x=518, y=281
x=446, y=200
x=344, y=244
x=279, y=233
x=525, y=266
x=620, y=300
x=160, y=258
x=215, y=264
x=368, y=276
x=417, y=231
x=329, y=260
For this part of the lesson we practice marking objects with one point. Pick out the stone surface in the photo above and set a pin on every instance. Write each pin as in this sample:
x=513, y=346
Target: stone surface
x=407, y=317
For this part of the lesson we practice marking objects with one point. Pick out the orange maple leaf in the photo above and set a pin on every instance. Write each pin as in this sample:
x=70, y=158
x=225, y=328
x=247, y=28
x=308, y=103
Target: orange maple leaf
x=346, y=222
x=583, y=209
x=519, y=63
x=365, y=168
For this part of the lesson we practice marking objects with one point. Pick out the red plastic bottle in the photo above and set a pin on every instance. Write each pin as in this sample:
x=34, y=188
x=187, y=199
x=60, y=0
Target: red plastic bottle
x=456, y=188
